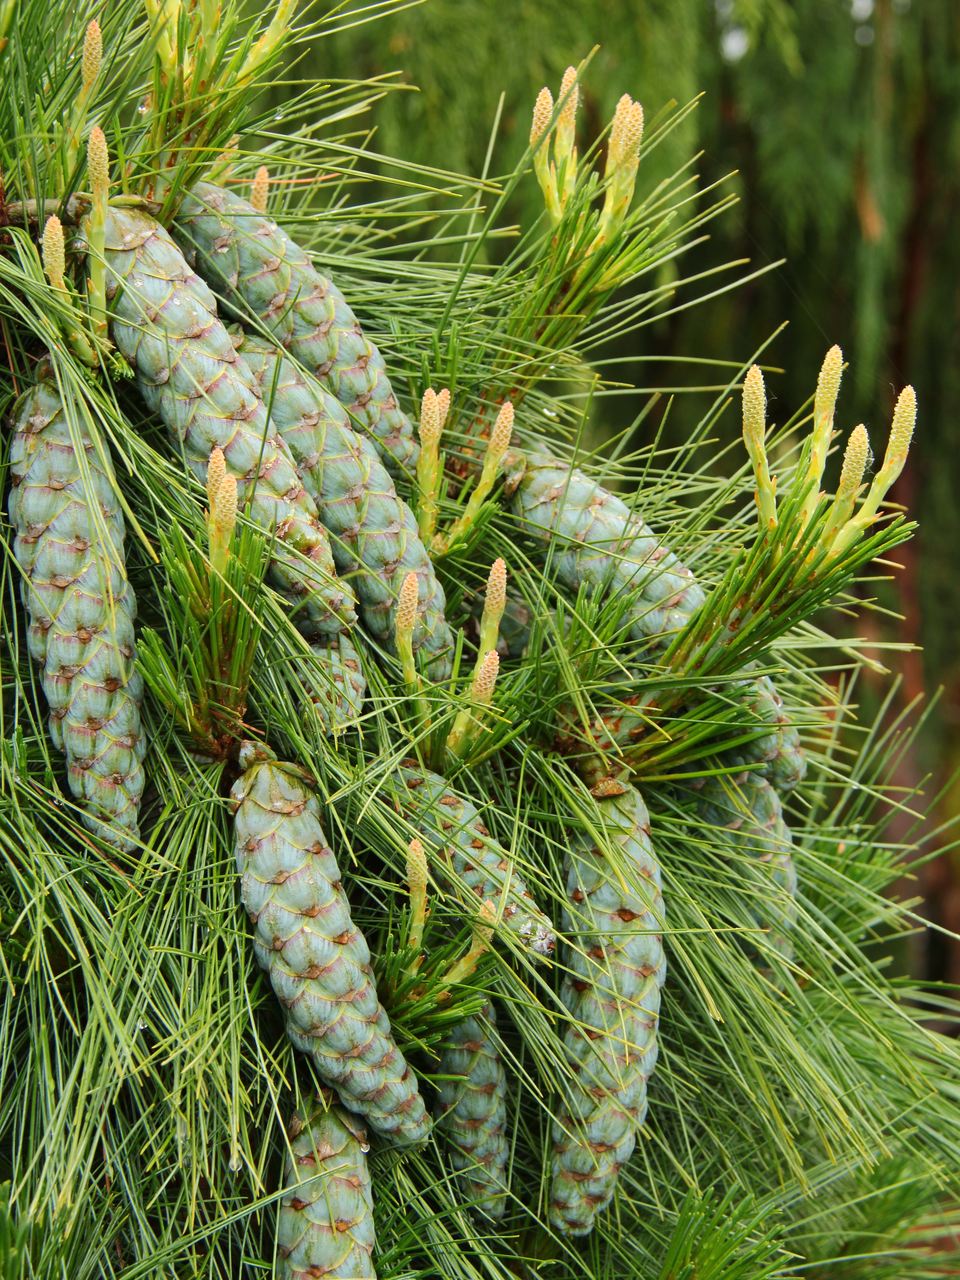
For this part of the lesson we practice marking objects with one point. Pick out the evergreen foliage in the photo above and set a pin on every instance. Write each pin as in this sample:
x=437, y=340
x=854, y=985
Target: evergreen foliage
x=801, y=1117
x=835, y=124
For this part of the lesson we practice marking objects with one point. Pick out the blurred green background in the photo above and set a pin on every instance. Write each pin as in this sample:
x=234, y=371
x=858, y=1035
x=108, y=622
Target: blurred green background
x=838, y=123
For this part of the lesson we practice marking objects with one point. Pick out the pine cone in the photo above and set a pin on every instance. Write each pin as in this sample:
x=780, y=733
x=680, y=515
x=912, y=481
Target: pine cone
x=750, y=811
x=598, y=542
x=472, y=1110
x=451, y=825
x=325, y=1225
x=69, y=545
x=338, y=700
x=164, y=322
x=250, y=260
x=779, y=751
x=616, y=968
x=374, y=534
x=317, y=959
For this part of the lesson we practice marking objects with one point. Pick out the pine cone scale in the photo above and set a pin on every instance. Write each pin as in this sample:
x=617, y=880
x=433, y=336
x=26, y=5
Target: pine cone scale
x=325, y=1222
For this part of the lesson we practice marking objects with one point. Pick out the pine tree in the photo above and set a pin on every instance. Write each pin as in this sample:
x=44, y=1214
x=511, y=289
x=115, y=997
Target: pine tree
x=800, y=1117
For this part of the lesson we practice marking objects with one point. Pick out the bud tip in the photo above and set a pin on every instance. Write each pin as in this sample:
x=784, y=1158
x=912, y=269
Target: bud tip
x=443, y=404
x=430, y=418
x=416, y=865
x=407, y=603
x=855, y=458
x=486, y=677
x=216, y=470
x=98, y=162
x=496, y=596
x=828, y=384
x=904, y=422
x=260, y=189
x=542, y=111
x=754, y=403
x=502, y=429
x=570, y=90
x=54, y=252
x=92, y=54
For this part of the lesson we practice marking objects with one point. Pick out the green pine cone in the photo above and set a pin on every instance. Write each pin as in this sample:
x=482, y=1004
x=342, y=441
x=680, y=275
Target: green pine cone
x=472, y=1111
x=607, y=547
x=748, y=808
x=615, y=970
x=249, y=259
x=164, y=322
x=451, y=825
x=338, y=696
x=597, y=541
x=375, y=538
x=317, y=959
x=779, y=751
x=325, y=1223
x=69, y=546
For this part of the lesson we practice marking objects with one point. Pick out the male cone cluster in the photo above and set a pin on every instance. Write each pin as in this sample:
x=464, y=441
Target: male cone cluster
x=68, y=543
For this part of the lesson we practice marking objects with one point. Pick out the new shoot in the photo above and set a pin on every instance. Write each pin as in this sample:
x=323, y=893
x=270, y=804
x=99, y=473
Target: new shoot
x=496, y=451
x=469, y=723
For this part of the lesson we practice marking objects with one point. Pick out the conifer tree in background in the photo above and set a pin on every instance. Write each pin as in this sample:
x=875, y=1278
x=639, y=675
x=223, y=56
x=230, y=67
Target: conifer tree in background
x=474, y=865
